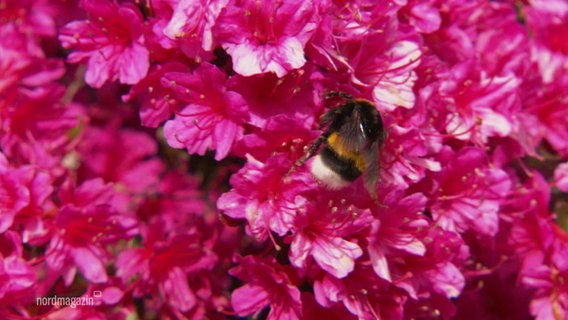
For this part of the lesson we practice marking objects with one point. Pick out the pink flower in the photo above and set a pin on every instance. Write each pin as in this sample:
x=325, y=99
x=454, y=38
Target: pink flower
x=213, y=115
x=541, y=245
x=544, y=115
x=408, y=153
x=270, y=97
x=260, y=196
x=527, y=210
x=111, y=40
x=84, y=225
x=191, y=25
x=362, y=293
x=343, y=42
x=440, y=271
x=467, y=193
x=36, y=129
x=24, y=193
x=164, y=265
x=157, y=103
x=549, y=49
x=30, y=16
x=182, y=243
x=176, y=192
x=281, y=133
x=266, y=284
x=120, y=156
x=424, y=16
x=394, y=86
x=267, y=36
x=394, y=238
x=17, y=277
x=124, y=157
x=551, y=298
x=412, y=255
x=15, y=195
x=504, y=47
x=545, y=270
x=484, y=106
x=380, y=62
x=452, y=42
x=322, y=231
x=23, y=63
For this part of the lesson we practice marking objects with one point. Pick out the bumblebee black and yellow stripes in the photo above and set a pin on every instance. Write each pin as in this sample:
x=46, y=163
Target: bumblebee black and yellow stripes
x=353, y=134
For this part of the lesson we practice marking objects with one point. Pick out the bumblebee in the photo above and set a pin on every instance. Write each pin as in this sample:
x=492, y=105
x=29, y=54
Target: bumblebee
x=353, y=134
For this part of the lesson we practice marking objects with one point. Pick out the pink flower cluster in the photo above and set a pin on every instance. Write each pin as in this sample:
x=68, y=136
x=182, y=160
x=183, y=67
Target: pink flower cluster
x=146, y=150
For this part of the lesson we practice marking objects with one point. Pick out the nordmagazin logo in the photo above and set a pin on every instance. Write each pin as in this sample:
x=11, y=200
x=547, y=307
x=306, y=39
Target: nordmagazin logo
x=69, y=301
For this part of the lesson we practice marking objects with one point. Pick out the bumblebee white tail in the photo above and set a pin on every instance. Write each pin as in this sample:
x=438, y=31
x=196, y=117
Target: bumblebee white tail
x=326, y=176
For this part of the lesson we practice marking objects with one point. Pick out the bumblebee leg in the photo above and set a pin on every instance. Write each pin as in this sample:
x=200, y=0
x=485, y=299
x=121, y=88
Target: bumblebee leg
x=335, y=94
x=311, y=151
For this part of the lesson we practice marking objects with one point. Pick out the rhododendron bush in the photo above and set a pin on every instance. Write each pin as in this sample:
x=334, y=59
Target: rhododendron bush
x=146, y=149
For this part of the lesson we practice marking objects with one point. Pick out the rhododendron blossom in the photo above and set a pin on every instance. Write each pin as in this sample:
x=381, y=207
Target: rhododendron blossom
x=112, y=41
x=213, y=116
x=266, y=36
x=156, y=159
x=320, y=230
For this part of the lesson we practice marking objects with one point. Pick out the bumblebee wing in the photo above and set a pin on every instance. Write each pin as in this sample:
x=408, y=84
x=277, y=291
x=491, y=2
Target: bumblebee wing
x=352, y=135
x=371, y=174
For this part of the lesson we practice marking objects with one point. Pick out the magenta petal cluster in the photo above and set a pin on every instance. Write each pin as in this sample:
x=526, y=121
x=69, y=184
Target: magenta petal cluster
x=267, y=36
x=213, y=116
x=323, y=231
x=111, y=40
x=269, y=284
x=153, y=159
